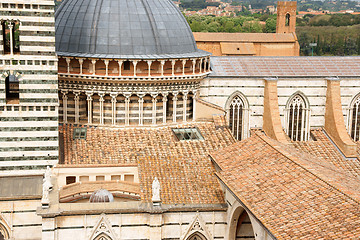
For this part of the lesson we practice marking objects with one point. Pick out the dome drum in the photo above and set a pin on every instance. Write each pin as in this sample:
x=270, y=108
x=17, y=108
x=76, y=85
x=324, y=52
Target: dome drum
x=127, y=62
x=123, y=108
x=120, y=68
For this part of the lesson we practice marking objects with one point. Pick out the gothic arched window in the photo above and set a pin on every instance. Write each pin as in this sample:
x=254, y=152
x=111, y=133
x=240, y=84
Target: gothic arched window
x=4, y=233
x=197, y=236
x=354, y=119
x=238, y=118
x=297, y=119
x=103, y=236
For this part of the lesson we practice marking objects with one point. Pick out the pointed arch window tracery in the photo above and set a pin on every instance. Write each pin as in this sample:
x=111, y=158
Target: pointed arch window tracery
x=197, y=236
x=297, y=119
x=103, y=236
x=238, y=115
x=354, y=119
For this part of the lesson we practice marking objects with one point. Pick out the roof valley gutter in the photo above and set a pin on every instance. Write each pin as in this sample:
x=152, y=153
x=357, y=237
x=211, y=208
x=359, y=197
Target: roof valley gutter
x=153, y=25
x=93, y=38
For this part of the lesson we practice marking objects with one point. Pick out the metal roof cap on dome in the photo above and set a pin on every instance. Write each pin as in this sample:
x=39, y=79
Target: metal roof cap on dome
x=123, y=29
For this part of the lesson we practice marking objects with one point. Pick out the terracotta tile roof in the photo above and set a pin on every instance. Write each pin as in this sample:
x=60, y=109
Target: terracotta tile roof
x=244, y=37
x=183, y=168
x=285, y=66
x=295, y=195
x=323, y=148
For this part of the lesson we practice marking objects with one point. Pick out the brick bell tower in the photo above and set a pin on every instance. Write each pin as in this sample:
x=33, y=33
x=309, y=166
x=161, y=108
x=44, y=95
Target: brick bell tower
x=28, y=87
x=286, y=17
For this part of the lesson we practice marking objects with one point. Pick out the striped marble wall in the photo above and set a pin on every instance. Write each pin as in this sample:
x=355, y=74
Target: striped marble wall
x=29, y=126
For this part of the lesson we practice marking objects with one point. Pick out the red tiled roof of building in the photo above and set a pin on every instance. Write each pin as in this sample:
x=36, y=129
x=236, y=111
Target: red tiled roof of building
x=323, y=148
x=295, y=195
x=183, y=168
x=244, y=37
x=285, y=66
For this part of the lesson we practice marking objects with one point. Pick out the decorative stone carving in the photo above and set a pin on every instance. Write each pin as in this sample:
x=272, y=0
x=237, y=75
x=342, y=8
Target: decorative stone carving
x=197, y=228
x=47, y=187
x=156, y=191
x=103, y=230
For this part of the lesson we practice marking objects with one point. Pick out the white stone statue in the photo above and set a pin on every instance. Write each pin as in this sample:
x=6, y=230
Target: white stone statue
x=47, y=186
x=156, y=190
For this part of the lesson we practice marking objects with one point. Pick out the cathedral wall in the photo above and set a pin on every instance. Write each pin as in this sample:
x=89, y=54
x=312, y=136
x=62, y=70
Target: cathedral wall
x=169, y=225
x=217, y=90
x=20, y=217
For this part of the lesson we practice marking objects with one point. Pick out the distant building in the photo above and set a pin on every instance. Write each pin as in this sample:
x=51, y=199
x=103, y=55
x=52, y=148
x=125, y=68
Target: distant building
x=248, y=44
x=282, y=43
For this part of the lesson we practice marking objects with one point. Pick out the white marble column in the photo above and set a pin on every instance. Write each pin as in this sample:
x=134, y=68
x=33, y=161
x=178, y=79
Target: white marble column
x=106, y=67
x=93, y=63
x=11, y=26
x=65, y=98
x=164, y=99
x=200, y=65
x=149, y=62
x=89, y=103
x=173, y=67
x=81, y=61
x=195, y=92
x=113, y=108
x=101, y=101
x=68, y=60
x=174, y=105
x=135, y=63
x=194, y=65
x=185, y=96
x=183, y=66
x=120, y=62
x=127, y=108
x=154, y=101
x=141, y=108
x=76, y=100
x=162, y=63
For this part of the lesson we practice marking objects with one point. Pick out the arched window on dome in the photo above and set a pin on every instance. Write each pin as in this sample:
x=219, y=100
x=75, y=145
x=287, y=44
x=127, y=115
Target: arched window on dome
x=297, y=116
x=353, y=121
x=238, y=115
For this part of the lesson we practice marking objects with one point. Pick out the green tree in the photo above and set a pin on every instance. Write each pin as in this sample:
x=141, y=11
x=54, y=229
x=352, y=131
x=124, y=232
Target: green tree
x=270, y=25
x=196, y=26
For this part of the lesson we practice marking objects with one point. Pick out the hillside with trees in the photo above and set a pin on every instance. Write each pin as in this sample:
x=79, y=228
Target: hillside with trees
x=336, y=34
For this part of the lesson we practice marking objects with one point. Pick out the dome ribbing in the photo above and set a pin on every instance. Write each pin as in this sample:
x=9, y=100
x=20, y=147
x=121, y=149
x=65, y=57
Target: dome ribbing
x=123, y=29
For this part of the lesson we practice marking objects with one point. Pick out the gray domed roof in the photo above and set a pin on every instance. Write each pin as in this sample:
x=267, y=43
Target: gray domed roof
x=123, y=29
x=101, y=195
